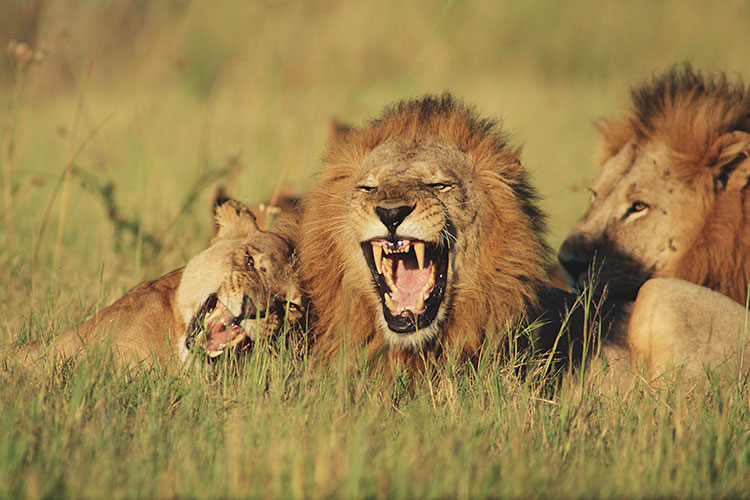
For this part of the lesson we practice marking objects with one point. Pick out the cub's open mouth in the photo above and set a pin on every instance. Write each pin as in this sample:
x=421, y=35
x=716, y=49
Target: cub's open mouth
x=217, y=330
x=410, y=277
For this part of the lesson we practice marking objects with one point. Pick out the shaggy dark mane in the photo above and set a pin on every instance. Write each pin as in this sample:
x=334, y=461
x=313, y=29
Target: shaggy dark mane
x=684, y=107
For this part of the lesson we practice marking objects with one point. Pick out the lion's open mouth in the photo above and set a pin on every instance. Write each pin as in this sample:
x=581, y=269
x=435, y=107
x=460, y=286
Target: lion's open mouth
x=410, y=277
x=217, y=330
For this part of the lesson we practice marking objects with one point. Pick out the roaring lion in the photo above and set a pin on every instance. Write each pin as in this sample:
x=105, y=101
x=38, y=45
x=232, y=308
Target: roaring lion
x=672, y=197
x=421, y=234
x=241, y=288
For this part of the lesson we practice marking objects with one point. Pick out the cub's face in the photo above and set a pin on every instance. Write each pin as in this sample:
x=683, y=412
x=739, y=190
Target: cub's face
x=411, y=213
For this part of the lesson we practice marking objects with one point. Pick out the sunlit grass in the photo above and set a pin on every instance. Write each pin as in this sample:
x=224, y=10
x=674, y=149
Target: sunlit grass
x=163, y=101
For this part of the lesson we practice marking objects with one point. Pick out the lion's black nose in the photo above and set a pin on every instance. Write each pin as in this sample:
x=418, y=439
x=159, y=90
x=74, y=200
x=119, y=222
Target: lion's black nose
x=392, y=217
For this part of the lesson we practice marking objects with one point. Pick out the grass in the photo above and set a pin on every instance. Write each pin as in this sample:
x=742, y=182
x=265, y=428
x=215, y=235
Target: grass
x=148, y=106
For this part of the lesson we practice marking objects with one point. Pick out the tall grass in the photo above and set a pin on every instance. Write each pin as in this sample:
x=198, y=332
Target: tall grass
x=278, y=428
x=146, y=106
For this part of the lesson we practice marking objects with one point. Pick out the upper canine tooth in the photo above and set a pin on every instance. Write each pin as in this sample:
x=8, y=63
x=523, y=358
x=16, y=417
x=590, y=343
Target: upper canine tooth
x=419, y=252
x=377, y=255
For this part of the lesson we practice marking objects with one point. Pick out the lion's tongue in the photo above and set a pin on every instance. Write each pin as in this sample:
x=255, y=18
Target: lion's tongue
x=219, y=336
x=409, y=282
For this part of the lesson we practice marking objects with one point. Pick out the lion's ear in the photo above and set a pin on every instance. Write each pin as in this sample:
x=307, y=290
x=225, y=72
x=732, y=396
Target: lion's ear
x=615, y=134
x=730, y=161
x=235, y=220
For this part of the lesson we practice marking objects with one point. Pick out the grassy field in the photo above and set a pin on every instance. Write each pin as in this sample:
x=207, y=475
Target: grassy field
x=112, y=143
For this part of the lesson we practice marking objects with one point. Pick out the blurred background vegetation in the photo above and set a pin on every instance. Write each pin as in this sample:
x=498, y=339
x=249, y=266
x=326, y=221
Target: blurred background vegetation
x=118, y=120
x=123, y=115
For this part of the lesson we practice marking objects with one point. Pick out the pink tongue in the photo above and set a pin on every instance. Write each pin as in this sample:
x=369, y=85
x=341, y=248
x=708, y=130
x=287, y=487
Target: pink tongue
x=218, y=342
x=218, y=336
x=409, y=283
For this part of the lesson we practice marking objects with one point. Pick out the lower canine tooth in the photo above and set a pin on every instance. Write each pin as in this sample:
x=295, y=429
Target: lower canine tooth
x=389, y=302
x=420, y=302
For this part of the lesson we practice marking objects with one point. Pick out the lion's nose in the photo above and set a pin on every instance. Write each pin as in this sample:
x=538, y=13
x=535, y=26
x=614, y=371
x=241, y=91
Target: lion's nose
x=575, y=261
x=392, y=217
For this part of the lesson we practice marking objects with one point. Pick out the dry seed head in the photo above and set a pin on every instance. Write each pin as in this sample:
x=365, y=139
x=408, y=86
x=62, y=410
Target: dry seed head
x=22, y=55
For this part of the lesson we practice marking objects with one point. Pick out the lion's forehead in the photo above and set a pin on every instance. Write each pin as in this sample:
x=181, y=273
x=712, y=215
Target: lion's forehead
x=638, y=170
x=417, y=159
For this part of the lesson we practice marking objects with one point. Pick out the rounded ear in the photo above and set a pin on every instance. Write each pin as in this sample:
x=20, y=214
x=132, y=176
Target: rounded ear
x=615, y=134
x=730, y=161
x=235, y=220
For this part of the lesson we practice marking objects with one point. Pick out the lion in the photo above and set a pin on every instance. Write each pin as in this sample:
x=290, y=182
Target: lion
x=672, y=197
x=241, y=289
x=421, y=235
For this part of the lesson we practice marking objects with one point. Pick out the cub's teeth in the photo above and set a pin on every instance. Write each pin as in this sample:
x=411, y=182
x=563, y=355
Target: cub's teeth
x=377, y=255
x=420, y=302
x=419, y=252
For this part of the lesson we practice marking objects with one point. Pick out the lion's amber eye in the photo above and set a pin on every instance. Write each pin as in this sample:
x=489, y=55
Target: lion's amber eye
x=249, y=261
x=293, y=307
x=367, y=189
x=637, y=206
x=440, y=186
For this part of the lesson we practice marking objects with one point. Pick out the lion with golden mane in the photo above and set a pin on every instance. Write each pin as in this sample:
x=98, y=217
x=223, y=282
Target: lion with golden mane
x=672, y=197
x=422, y=234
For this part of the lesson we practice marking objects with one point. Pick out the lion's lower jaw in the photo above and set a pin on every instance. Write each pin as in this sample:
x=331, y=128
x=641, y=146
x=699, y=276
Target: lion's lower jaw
x=414, y=341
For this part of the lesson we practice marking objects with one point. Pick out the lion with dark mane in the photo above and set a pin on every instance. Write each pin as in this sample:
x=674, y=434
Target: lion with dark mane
x=421, y=235
x=672, y=197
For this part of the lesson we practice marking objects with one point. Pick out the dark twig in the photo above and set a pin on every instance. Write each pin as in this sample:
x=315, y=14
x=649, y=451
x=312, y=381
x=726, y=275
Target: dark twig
x=209, y=177
x=121, y=223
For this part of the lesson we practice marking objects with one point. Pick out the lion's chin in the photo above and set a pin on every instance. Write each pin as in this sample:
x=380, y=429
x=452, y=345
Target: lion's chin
x=410, y=277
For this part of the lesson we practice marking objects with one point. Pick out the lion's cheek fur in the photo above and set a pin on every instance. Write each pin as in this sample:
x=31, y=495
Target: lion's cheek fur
x=201, y=278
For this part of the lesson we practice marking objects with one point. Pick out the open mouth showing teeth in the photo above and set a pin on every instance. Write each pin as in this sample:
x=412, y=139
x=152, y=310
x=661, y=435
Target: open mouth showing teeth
x=217, y=330
x=410, y=276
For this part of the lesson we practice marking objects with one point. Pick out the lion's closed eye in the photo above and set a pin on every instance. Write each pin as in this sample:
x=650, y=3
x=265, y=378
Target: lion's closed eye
x=442, y=187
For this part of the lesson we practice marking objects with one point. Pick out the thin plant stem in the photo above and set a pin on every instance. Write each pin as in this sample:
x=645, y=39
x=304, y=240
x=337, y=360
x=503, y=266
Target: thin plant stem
x=65, y=199
x=19, y=85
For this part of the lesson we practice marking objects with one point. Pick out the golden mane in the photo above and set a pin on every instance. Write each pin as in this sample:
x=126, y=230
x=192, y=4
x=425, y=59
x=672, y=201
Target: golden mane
x=690, y=111
x=494, y=290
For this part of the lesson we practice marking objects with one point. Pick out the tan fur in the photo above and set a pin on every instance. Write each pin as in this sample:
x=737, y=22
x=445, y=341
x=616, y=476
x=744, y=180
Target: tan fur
x=243, y=265
x=679, y=325
x=683, y=148
x=497, y=253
